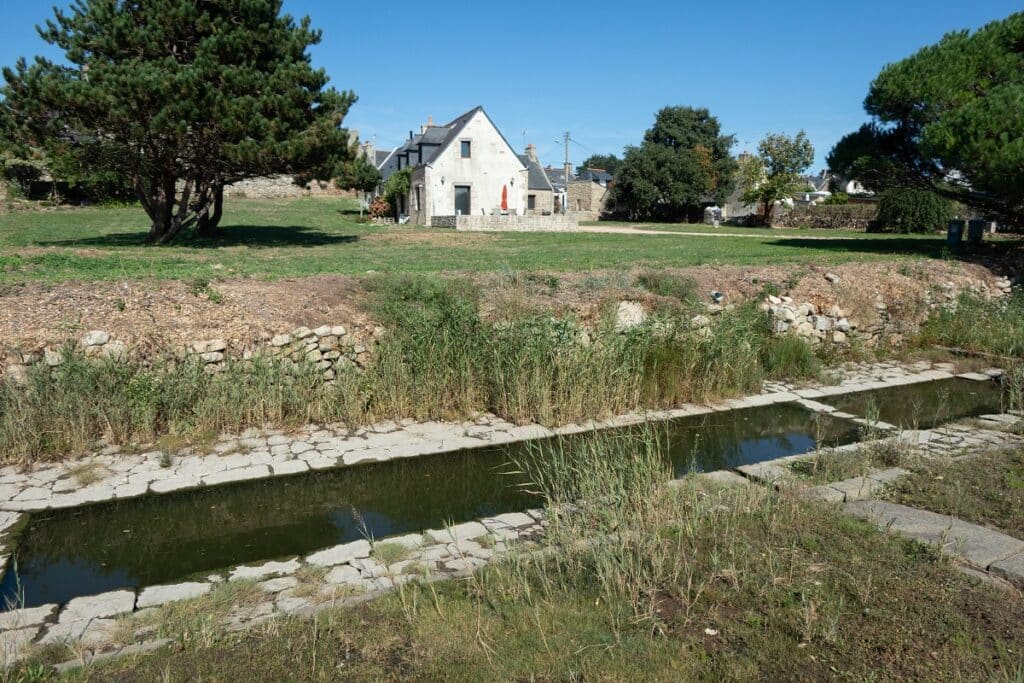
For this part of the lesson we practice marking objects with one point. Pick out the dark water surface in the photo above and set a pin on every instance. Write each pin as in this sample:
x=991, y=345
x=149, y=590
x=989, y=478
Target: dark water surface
x=924, y=405
x=166, y=538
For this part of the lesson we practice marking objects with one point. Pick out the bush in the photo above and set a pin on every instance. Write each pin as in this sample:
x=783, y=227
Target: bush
x=380, y=208
x=907, y=210
x=827, y=217
x=836, y=199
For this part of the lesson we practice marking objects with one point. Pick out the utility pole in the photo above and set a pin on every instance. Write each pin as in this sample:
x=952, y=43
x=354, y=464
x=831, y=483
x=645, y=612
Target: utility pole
x=568, y=172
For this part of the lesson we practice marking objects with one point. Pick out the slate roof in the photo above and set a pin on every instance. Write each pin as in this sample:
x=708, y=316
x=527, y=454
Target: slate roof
x=556, y=176
x=536, y=179
x=381, y=155
x=595, y=175
x=436, y=139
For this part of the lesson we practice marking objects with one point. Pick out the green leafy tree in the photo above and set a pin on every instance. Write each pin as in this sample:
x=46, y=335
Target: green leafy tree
x=180, y=97
x=950, y=120
x=774, y=173
x=908, y=210
x=606, y=162
x=357, y=174
x=684, y=161
x=397, y=185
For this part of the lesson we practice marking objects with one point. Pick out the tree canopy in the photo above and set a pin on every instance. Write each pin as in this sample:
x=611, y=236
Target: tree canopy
x=605, y=162
x=774, y=173
x=181, y=97
x=949, y=119
x=357, y=174
x=683, y=162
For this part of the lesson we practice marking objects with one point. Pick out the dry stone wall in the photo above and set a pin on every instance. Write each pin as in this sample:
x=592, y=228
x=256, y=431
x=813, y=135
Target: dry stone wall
x=331, y=348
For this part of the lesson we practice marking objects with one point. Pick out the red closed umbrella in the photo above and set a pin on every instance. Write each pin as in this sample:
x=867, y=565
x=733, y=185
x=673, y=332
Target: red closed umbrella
x=504, y=197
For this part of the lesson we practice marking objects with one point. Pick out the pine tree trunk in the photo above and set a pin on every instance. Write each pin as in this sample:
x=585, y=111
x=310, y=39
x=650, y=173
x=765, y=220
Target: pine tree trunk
x=208, y=222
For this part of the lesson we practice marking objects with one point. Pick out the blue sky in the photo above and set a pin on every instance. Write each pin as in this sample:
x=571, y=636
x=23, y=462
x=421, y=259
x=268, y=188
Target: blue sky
x=601, y=69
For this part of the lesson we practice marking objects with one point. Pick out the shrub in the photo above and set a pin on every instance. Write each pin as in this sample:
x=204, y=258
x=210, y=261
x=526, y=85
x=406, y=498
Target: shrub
x=836, y=199
x=380, y=208
x=907, y=210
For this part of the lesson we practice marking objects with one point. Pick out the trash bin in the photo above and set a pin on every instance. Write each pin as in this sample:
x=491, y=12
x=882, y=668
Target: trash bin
x=955, y=234
x=975, y=231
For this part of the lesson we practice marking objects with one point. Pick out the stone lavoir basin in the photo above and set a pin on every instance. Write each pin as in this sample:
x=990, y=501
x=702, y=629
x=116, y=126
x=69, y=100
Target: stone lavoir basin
x=160, y=539
x=923, y=405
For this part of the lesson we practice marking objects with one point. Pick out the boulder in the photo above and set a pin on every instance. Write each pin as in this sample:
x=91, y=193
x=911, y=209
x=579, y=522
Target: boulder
x=95, y=338
x=628, y=315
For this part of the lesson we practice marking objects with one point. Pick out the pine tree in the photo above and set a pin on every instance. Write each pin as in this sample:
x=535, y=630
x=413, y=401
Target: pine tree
x=181, y=97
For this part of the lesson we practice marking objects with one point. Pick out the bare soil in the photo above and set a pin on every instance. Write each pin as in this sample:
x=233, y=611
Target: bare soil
x=150, y=311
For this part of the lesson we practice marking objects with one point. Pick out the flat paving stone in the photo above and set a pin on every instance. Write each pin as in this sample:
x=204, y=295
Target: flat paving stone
x=281, y=583
x=345, y=574
x=241, y=474
x=255, y=572
x=99, y=606
x=980, y=546
x=161, y=595
x=29, y=616
x=340, y=554
x=459, y=532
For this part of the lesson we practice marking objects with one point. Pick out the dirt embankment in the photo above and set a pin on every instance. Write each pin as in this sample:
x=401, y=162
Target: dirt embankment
x=168, y=312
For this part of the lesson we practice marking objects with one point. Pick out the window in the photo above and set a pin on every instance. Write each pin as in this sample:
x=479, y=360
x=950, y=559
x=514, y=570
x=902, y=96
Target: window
x=531, y=202
x=467, y=149
x=462, y=204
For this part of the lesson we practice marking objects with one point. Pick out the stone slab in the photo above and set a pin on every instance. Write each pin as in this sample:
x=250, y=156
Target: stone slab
x=161, y=595
x=13, y=642
x=724, y=478
x=824, y=492
x=1011, y=569
x=29, y=616
x=980, y=546
x=340, y=554
x=459, y=532
x=99, y=606
x=255, y=572
x=240, y=474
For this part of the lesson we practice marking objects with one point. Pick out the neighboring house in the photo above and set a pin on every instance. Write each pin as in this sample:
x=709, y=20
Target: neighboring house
x=461, y=168
x=540, y=194
x=558, y=184
x=588, y=193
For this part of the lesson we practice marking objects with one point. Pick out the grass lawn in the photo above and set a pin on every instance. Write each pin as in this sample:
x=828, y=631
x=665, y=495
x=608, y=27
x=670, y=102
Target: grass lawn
x=987, y=489
x=300, y=237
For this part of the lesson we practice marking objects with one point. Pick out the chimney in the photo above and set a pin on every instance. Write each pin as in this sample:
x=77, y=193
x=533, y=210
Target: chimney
x=430, y=122
x=531, y=152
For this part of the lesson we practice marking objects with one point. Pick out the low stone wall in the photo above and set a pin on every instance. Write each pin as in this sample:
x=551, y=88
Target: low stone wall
x=280, y=187
x=331, y=347
x=528, y=223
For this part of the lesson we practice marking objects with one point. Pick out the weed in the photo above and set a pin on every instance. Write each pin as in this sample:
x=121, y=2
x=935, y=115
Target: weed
x=663, y=283
x=978, y=324
x=389, y=553
x=88, y=473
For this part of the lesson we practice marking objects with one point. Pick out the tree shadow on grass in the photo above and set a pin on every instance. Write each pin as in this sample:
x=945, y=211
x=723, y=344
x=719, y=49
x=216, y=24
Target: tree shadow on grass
x=252, y=236
x=899, y=246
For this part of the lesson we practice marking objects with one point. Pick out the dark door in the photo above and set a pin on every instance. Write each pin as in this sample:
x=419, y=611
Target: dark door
x=462, y=206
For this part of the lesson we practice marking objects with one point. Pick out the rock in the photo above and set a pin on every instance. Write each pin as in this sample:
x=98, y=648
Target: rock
x=786, y=313
x=805, y=329
x=13, y=642
x=774, y=300
x=52, y=357
x=301, y=332
x=700, y=321
x=279, y=584
x=843, y=325
x=212, y=357
x=115, y=350
x=780, y=326
x=99, y=606
x=95, y=338
x=628, y=315
x=281, y=340
x=832, y=277
x=161, y=595
x=323, y=331
x=343, y=574
x=18, y=374
x=821, y=323
x=838, y=337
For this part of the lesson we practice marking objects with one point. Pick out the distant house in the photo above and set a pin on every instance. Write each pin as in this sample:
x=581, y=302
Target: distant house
x=540, y=194
x=464, y=167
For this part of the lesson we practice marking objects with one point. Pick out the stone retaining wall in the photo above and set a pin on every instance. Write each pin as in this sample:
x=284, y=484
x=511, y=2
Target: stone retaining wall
x=331, y=347
x=281, y=187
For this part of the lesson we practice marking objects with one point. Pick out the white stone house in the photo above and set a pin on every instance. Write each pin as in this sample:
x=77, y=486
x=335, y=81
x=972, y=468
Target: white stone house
x=460, y=168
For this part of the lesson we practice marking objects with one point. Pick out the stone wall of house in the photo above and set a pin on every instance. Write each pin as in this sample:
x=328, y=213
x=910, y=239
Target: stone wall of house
x=331, y=348
x=544, y=202
x=587, y=197
x=529, y=223
x=281, y=187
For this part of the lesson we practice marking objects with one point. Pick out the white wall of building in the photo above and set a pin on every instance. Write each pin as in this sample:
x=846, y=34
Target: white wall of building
x=492, y=164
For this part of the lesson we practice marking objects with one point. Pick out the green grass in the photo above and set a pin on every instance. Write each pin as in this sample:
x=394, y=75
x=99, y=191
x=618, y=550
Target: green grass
x=683, y=583
x=301, y=237
x=977, y=324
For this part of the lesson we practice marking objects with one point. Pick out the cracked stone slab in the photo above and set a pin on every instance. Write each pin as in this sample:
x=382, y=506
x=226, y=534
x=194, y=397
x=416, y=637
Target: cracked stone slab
x=459, y=532
x=161, y=595
x=13, y=642
x=980, y=546
x=282, y=583
x=241, y=474
x=99, y=606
